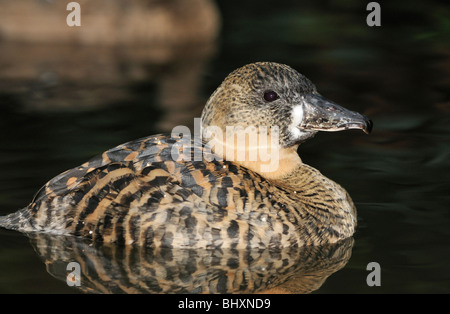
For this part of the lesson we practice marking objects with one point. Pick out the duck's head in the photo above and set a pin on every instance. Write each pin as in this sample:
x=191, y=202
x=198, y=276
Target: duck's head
x=272, y=96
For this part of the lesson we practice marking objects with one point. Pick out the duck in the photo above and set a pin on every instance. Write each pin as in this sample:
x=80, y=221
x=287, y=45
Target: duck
x=215, y=190
x=109, y=268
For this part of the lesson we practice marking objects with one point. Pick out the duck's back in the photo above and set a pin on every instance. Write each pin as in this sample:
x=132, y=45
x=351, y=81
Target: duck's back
x=156, y=191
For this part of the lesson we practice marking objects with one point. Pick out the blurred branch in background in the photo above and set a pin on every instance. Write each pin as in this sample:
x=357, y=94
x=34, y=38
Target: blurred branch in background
x=47, y=65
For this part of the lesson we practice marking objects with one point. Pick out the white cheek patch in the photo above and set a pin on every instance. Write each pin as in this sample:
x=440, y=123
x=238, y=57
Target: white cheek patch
x=297, y=117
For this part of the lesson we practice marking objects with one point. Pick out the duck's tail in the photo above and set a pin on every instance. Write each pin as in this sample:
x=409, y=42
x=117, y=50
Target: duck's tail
x=16, y=221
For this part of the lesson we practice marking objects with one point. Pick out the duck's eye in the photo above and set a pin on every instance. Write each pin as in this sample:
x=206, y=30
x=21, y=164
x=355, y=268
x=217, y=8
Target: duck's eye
x=270, y=95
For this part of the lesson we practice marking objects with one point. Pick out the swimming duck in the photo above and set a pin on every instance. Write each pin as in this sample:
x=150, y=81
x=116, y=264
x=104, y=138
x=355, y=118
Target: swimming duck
x=155, y=192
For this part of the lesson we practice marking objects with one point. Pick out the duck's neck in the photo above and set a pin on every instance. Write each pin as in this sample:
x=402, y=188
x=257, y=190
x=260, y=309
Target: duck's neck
x=285, y=162
x=263, y=156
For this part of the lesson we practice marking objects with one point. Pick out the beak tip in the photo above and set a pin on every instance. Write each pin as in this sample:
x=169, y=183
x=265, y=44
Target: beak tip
x=369, y=126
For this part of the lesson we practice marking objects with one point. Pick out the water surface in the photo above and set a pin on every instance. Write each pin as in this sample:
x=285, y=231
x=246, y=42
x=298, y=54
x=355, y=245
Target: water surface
x=56, y=117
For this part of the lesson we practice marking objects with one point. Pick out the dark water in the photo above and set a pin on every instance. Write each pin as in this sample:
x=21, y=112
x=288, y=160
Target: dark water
x=61, y=105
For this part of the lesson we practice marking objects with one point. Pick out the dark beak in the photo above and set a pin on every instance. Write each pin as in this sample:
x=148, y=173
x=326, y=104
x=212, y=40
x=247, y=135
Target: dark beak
x=321, y=114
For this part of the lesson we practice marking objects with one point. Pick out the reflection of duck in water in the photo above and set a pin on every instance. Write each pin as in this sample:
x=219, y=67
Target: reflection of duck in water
x=106, y=268
x=143, y=192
